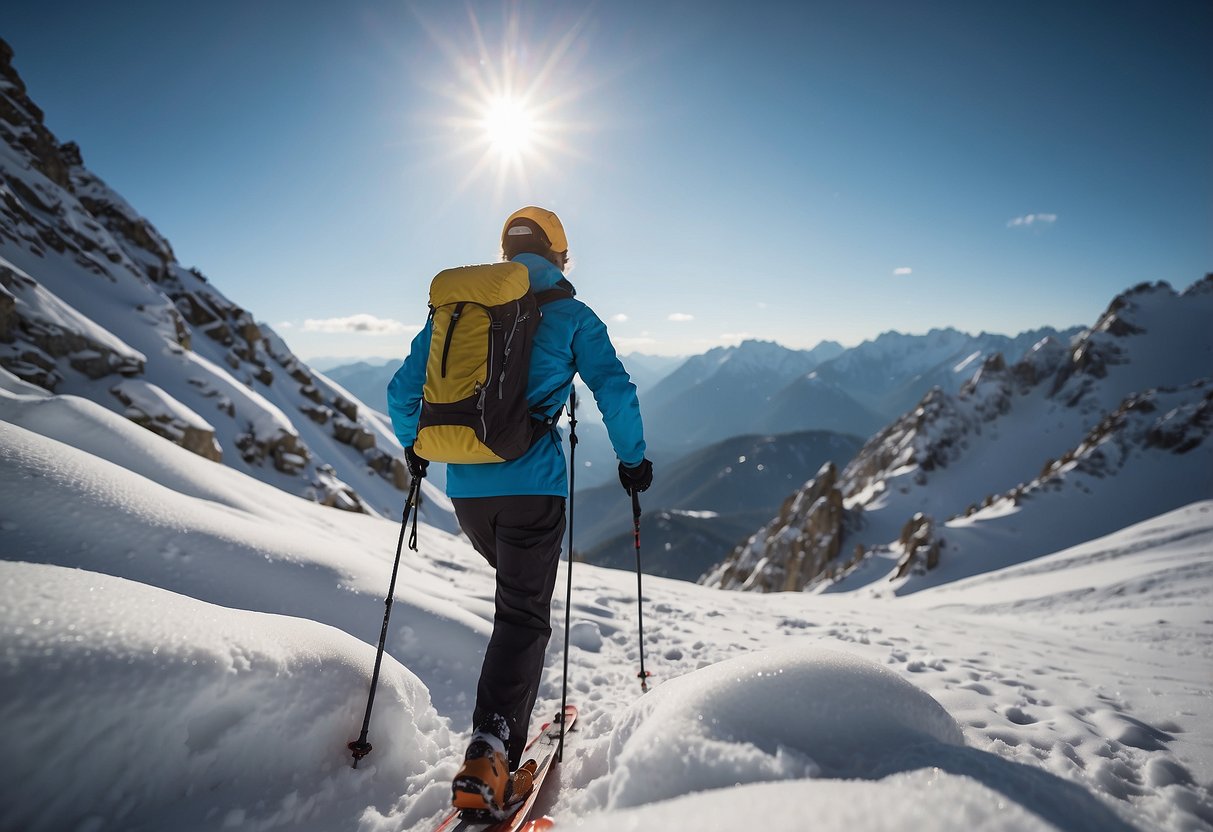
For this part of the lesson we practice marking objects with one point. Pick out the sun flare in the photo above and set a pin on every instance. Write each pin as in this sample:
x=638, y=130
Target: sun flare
x=509, y=126
x=511, y=107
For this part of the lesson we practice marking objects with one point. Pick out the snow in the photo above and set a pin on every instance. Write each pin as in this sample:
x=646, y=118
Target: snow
x=37, y=303
x=148, y=399
x=187, y=647
x=709, y=729
x=174, y=701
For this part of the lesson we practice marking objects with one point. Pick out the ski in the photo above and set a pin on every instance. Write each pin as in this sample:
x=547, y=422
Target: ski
x=542, y=749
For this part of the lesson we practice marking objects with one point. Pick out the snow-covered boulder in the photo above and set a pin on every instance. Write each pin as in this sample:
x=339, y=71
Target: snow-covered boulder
x=126, y=706
x=780, y=714
x=151, y=407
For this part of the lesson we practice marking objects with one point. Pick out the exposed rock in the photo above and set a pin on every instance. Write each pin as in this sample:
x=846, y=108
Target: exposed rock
x=17, y=109
x=346, y=408
x=32, y=365
x=287, y=452
x=795, y=548
x=916, y=541
x=389, y=467
x=41, y=322
x=137, y=230
x=195, y=310
x=1183, y=429
x=353, y=434
x=192, y=434
x=1040, y=363
x=319, y=415
x=8, y=316
x=328, y=490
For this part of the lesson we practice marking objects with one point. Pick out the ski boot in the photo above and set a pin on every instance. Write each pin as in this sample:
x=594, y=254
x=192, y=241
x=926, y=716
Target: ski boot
x=481, y=786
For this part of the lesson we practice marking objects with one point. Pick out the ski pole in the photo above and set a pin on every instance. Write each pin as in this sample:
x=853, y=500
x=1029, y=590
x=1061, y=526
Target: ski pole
x=643, y=674
x=568, y=592
x=360, y=747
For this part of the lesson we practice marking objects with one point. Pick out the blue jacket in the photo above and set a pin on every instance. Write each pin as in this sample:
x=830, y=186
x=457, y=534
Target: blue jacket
x=570, y=340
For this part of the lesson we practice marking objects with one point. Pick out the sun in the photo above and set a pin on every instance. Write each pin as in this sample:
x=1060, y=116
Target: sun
x=511, y=111
x=509, y=126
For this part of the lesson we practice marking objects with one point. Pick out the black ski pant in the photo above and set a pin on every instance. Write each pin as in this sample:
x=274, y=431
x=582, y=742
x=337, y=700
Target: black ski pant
x=520, y=537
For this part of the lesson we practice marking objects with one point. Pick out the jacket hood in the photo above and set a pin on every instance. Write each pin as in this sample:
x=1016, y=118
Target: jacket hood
x=544, y=275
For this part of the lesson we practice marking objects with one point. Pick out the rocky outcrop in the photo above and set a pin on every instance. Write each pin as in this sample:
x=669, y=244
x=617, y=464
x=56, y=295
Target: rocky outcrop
x=353, y=434
x=285, y=450
x=18, y=110
x=391, y=468
x=920, y=549
x=39, y=329
x=799, y=545
x=927, y=461
x=8, y=317
x=328, y=490
x=176, y=423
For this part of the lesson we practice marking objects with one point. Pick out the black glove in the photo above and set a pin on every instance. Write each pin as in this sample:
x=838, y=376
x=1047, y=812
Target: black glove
x=416, y=464
x=636, y=478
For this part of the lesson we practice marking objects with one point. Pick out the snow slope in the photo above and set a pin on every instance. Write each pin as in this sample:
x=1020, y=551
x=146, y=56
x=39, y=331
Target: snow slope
x=94, y=303
x=1008, y=427
x=182, y=651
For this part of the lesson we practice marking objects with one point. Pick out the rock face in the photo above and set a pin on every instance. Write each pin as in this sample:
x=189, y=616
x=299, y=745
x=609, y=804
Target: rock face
x=94, y=303
x=149, y=406
x=1077, y=406
x=38, y=329
x=916, y=542
x=796, y=546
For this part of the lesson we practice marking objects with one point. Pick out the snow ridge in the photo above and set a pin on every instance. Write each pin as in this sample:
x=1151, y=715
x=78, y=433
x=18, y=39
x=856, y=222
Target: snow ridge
x=994, y=435
x=94, y=303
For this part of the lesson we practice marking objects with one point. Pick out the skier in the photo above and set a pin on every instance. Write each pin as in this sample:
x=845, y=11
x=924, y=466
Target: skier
x=514, y=511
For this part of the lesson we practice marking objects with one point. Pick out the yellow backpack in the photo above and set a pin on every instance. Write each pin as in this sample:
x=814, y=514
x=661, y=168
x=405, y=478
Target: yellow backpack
x=474, y=406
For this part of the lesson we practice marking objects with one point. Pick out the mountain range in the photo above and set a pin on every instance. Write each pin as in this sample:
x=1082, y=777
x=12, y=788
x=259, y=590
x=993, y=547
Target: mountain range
x=1087, y=436
x=704, y=502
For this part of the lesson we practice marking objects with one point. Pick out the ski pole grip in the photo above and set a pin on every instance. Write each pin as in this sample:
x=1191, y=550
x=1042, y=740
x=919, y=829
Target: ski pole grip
x=635, y=504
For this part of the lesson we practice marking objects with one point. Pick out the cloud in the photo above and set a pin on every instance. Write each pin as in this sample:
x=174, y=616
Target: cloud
x=902, y=270
x=358, y=324
x=284, y=325
x=620, y=318
x=680, y=317
x=1032, y=219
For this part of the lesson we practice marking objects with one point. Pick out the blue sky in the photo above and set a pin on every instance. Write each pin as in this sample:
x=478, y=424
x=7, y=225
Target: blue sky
x=793, y=172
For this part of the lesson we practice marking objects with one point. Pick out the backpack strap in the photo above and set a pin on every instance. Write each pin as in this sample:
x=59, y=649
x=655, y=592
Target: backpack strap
x=542, y=424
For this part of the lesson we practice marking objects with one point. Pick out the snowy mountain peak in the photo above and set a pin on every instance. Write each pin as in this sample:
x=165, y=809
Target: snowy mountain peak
x=93, y=303
x=953, y=451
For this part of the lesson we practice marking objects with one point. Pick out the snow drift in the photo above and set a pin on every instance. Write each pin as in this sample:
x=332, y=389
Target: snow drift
x=130, y=707
x=778, y=714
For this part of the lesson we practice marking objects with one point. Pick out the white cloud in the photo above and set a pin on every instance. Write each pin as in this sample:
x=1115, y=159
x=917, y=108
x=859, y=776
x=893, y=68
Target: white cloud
x=1031, y=219
x=284, y=325
x=902, y=270
x=680, y=316
x=620, y=318
x=358, y=324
